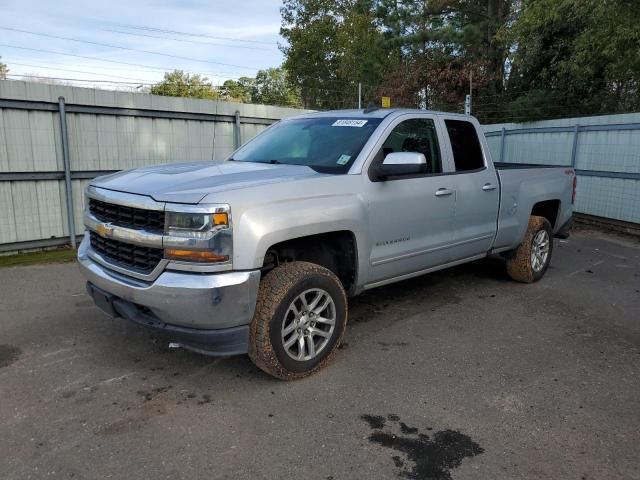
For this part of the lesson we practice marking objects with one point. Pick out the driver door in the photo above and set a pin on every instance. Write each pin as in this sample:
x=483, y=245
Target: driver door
x=411, y=218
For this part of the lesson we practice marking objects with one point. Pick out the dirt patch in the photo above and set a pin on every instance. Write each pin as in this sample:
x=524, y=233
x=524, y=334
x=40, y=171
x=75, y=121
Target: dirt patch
x=427, y=458
x=8, y=355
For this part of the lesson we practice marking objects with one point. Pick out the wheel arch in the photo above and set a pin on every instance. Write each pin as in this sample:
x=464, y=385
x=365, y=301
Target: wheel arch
x=548, y=209
x=335, y=250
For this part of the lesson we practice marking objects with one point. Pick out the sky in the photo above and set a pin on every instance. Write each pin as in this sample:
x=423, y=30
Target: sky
x=102, y=39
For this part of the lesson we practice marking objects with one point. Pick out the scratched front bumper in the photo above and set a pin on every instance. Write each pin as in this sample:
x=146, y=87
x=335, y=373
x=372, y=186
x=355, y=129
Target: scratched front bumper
x=193, y=300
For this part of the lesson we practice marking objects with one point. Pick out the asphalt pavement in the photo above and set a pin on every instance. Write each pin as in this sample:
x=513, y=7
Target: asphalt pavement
x=461, y=374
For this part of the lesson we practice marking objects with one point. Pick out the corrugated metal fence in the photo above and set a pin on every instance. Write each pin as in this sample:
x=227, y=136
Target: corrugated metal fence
x=106, y=131
x=604, y=150
x=109, y=131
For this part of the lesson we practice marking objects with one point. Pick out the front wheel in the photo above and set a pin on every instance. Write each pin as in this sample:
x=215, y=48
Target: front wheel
x=300, y=317
x=529, y=262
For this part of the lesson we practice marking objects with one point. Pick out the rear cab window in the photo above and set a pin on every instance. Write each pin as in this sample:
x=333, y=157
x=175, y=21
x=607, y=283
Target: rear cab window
x=467, y=152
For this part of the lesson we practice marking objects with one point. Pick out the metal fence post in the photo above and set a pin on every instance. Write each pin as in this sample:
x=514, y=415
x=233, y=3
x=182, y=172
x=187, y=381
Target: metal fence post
x=236, y=131
x=502, y=145
x=574, y=149
x=67, y=171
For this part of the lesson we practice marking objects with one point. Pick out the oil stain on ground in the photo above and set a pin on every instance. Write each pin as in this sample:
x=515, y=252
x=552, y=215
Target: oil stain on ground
x=427, y=457
x=8, y=355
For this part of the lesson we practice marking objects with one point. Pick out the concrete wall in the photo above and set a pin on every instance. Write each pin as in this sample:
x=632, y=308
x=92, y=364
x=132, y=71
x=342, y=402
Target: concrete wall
x=604, y=150
x=107, y=130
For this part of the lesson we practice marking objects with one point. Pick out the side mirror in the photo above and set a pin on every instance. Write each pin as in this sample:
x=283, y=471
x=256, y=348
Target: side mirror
x=400, y=163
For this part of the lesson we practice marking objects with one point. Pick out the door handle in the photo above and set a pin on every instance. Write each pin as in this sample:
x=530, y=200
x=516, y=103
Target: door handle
x=488, y=187
x=443, y=192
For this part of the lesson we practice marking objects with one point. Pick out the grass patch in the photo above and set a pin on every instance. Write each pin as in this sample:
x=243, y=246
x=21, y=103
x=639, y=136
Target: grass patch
x=58, y=255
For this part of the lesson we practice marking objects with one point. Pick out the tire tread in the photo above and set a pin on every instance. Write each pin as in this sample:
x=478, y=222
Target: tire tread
x=519, y=263
x=273, y=289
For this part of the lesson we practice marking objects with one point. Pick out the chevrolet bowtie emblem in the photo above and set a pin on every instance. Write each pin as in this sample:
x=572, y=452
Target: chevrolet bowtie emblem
x=104, y=230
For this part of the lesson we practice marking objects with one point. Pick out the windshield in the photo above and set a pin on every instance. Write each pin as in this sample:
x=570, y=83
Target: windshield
x=326, y=144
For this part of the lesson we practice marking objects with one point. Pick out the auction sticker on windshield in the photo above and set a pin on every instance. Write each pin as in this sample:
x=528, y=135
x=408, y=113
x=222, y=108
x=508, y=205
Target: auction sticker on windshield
x=349, y=123
x=343, y=160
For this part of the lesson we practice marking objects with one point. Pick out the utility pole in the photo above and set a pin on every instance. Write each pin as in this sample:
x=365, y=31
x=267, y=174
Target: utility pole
x=359, y=95
x=467, y=100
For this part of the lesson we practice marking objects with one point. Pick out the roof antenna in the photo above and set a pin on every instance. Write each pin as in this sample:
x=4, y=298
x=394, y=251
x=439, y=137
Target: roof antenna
x=371, y=108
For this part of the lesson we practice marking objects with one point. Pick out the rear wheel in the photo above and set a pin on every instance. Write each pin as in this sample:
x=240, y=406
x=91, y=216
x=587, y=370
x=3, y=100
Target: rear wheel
x=300, y=317
x=529, y=262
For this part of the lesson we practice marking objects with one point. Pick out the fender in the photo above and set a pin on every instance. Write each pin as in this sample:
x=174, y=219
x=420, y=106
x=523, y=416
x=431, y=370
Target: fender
x=264, y=225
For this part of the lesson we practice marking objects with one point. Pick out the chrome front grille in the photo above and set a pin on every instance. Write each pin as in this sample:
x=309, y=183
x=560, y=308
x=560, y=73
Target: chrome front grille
x=133, y=257
x=125, y=216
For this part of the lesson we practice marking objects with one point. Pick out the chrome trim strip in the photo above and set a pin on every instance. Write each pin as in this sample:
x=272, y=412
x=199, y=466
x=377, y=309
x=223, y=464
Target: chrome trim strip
x=429, y=250
x=200, y=208
x=126, y=199
x=199, y=267
x=123, y=234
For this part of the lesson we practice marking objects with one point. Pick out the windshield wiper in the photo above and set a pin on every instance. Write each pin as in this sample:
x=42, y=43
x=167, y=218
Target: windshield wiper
x=272, y=162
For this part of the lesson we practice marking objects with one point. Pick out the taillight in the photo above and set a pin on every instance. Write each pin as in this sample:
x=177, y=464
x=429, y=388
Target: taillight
x=575, y=184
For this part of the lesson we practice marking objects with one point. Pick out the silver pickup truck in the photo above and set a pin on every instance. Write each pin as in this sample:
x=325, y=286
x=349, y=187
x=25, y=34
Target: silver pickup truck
x=257, y=254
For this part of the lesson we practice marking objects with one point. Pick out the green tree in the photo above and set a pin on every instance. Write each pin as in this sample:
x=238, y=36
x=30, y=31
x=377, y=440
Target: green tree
x=575, y=57
x=272, y=87
x=240, y=90
x=419, y=53
x=332, y=45
x=4, y=70
x=181, y=84
x=438, y=45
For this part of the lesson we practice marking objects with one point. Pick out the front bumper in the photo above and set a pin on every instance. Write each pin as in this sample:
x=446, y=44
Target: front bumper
x=179, y=303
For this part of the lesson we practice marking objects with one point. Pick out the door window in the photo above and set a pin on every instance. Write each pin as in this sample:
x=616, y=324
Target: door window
x=467, y=153
x=416, y=135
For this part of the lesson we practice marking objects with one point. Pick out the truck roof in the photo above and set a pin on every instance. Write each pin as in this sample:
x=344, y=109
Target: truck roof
x=377, y=113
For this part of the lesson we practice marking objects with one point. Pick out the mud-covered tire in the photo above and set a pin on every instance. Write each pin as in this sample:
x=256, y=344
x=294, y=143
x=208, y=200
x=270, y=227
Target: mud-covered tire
x=520, y=266
x=278, y=289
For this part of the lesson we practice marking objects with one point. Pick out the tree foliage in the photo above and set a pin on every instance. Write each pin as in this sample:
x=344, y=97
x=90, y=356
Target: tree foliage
x=578, y=57
x=529, y=59
x=270, y=87
x=240, y=90
x=331, y=46
x=4, y=70
x=181, y=84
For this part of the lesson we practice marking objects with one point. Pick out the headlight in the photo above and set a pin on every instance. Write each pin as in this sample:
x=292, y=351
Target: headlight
x=198, y=234
x=195, y=222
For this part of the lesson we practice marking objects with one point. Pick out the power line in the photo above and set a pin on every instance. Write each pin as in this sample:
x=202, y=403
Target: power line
x=149, y=52
x=189, y=34
x=200, y=42
x=333, y=101
x=71, y=71
x=139, y=68
x=161, y=69
x=62, y=79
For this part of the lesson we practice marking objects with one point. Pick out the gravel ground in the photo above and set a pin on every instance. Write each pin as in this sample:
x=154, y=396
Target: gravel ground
x=460, y=374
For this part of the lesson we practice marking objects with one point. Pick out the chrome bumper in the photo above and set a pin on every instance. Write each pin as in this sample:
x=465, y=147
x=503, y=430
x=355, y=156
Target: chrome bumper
x=194, y=300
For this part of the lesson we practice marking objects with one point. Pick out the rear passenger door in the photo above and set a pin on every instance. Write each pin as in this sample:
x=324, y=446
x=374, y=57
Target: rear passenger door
x=477, y=190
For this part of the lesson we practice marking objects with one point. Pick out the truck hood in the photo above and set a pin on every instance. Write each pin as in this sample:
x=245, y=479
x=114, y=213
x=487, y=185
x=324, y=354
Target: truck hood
x=191, y=182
